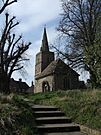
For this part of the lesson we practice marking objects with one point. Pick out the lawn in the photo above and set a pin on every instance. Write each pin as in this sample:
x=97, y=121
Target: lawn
x=16, y=117
x=84, y=107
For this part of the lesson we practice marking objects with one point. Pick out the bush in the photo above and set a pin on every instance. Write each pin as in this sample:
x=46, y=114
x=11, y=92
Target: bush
x=16, y=117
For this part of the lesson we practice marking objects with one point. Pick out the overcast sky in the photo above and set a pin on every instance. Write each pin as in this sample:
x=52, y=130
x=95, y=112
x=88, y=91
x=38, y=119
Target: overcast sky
x=33, y=16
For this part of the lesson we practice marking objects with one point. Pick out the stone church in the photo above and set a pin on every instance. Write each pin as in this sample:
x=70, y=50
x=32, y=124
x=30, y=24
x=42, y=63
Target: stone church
x=51, y=74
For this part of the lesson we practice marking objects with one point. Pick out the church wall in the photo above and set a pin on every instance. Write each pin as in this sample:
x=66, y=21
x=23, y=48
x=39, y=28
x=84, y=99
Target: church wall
x=66, y=81
x=47, y=58
x=43, y=59
x=39, y=82
x=74, y=80
x=75, y=83
x=38, y=66
x=59, y=84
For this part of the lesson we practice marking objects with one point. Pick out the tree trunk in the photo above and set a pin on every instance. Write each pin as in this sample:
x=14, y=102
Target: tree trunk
x=93, y=79
x=4, y=83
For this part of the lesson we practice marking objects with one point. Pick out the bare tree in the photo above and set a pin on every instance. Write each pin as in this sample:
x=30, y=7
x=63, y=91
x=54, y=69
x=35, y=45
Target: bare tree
x=6, y=3
x=12, y=51
x=79, y=26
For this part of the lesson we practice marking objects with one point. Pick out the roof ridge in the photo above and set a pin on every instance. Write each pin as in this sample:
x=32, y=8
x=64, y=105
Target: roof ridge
x=53, y=67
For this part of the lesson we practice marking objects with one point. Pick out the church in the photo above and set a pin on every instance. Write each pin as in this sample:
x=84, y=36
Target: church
x=51, y=74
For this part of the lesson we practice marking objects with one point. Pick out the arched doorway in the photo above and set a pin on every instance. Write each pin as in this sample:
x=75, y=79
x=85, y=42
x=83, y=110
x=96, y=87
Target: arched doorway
x=45, y=86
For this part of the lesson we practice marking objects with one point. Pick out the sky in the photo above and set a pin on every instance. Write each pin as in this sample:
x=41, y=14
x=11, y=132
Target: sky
x=33, y=15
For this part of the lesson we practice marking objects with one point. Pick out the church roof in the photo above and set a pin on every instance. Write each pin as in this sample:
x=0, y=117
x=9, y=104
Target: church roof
x=56, y=66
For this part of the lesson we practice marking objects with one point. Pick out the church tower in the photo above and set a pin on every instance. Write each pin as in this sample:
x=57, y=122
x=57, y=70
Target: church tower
x=44, y=57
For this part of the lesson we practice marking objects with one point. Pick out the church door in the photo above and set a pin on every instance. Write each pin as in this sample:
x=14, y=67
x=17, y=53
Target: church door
x=45, y=87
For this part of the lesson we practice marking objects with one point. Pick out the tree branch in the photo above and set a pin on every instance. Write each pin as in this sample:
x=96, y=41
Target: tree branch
x=7, y=3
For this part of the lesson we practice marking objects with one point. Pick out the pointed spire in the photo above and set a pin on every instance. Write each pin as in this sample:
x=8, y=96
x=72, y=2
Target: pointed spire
x=44, y=46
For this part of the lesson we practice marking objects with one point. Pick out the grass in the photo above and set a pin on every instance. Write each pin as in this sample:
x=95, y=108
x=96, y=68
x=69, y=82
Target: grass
x=16, y=117
x=84, y=107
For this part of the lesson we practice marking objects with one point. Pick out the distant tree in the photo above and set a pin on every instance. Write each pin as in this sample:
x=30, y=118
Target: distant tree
x=5, y=3
x=12, y=51
x=79, y=26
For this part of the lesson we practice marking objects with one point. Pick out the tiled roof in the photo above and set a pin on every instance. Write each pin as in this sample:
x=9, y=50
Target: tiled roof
x=56, y=66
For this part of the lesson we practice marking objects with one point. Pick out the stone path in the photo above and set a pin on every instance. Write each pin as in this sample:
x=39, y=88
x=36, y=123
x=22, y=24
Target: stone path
x=51, y=121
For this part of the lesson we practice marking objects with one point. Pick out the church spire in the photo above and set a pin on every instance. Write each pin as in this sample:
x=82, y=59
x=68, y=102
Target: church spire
x=44, y=46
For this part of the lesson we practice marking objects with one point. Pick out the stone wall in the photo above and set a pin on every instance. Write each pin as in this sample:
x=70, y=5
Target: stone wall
x=47, y=58
x=43, y=59
x=39, y=82
x=38, y=66
x=66, y=81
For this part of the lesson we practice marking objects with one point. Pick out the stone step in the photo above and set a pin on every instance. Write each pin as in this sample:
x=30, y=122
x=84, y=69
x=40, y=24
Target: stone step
x=58, y=128
x=44, y=108
x=65, y=133
x=48, y=113
x=52, y=120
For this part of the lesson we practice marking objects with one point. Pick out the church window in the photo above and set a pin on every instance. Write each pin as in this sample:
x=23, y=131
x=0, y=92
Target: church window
x=66, y=83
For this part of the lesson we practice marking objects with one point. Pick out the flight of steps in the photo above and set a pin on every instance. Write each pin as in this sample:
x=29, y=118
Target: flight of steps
x=51, y=121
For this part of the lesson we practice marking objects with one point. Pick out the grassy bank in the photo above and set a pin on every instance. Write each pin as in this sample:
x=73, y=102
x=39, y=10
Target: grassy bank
x=16, y=117
x=84, y=107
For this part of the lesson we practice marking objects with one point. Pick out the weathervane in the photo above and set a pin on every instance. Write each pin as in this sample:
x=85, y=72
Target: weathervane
x=45, y=25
